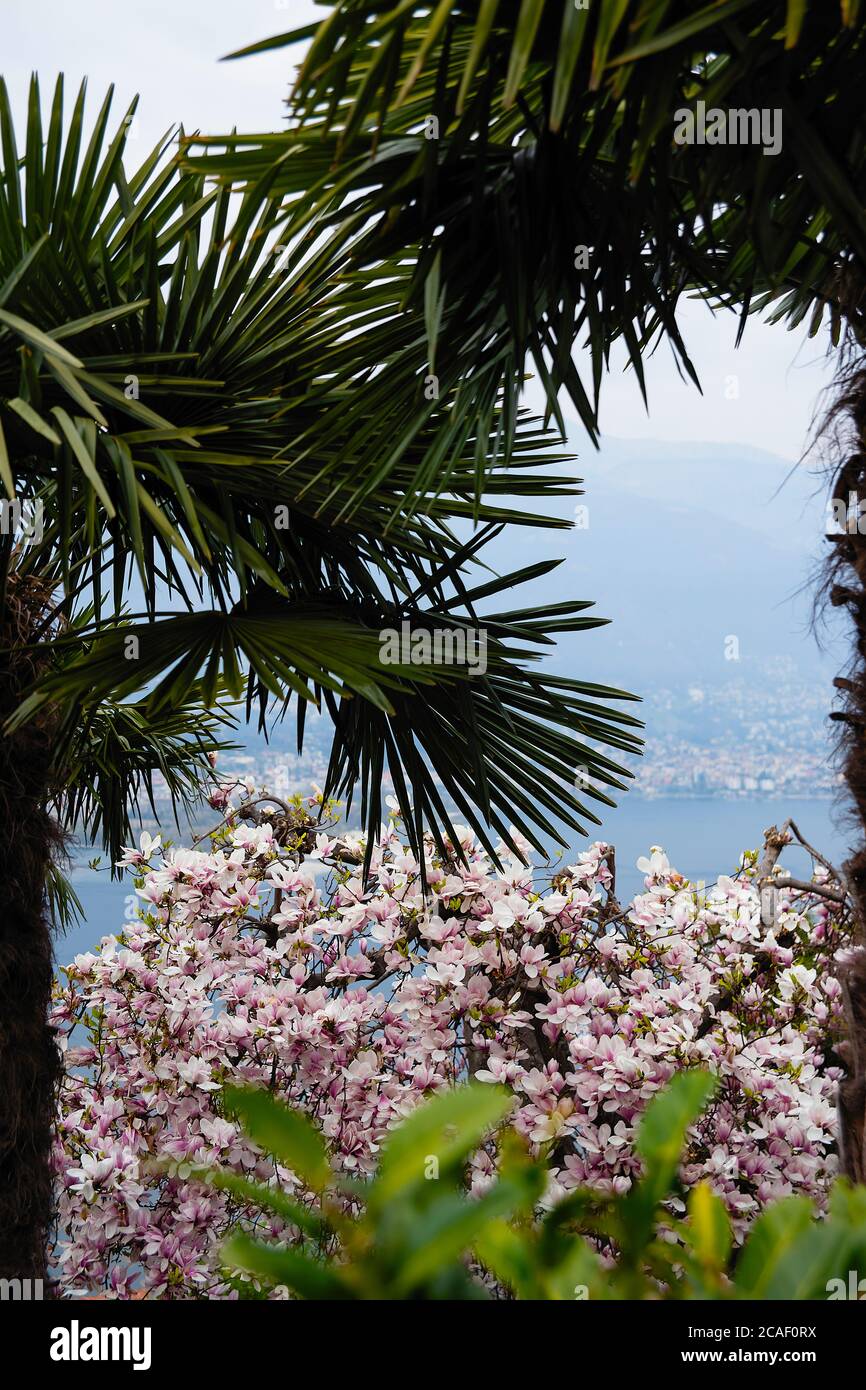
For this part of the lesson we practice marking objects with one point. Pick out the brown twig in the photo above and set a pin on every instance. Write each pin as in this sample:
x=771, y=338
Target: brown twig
x=834, y=895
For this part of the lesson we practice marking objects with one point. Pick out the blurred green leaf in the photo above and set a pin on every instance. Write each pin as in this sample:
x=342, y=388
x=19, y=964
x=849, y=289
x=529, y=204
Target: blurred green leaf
x=770, y=1243
x=662, y=1131
x=256, y=1194
x=659, y=1141
x=285, y=1133
x=308, y=1278
x=442, y=1132
x=709, y=1228
x=451, y=1224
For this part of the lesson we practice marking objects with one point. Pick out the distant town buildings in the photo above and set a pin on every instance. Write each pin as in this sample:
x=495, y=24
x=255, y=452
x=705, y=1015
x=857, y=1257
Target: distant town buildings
x=741, y=740
x=744, y=738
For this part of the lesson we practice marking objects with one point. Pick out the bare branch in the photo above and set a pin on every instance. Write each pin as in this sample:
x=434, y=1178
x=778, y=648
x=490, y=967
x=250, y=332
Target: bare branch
x=801, y=886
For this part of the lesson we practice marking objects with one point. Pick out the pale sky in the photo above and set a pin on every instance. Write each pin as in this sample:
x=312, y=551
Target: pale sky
x=763, y=393
x=168, y=52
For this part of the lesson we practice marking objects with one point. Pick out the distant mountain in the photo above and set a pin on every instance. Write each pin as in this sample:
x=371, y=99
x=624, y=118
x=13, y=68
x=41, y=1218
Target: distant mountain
x=686, y=546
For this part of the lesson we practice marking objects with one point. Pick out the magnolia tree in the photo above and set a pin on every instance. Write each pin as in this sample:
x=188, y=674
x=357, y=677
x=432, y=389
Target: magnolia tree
x=268, y=957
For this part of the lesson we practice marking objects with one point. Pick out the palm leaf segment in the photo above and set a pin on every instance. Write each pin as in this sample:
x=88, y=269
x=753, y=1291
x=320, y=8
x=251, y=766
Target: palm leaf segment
x=519, y=157
x=526, y=149
x=195, y=397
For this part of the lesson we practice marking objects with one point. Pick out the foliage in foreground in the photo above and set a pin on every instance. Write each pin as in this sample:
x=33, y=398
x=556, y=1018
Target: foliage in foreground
x=416, y=1231
x=267, y=960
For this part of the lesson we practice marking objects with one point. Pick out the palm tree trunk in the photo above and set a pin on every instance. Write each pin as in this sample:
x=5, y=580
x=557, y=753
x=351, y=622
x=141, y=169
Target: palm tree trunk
x=29, y=1059
x=848, y=590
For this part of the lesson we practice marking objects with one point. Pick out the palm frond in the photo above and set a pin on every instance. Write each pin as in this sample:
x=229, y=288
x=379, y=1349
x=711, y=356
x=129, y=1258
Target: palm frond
x=231, y=413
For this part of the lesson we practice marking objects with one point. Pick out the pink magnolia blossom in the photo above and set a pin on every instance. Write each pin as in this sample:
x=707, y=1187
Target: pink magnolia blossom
x=354, y=1001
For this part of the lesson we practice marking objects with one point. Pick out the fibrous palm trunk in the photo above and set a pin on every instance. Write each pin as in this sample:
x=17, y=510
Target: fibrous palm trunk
x=848, y=566
x=29, y=1059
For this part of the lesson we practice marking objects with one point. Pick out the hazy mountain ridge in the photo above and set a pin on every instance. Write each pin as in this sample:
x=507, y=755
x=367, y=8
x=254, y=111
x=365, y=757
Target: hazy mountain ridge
x=675, y=553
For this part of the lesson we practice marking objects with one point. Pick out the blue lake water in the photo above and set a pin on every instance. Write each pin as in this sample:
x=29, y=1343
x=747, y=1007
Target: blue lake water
x=703, y=838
